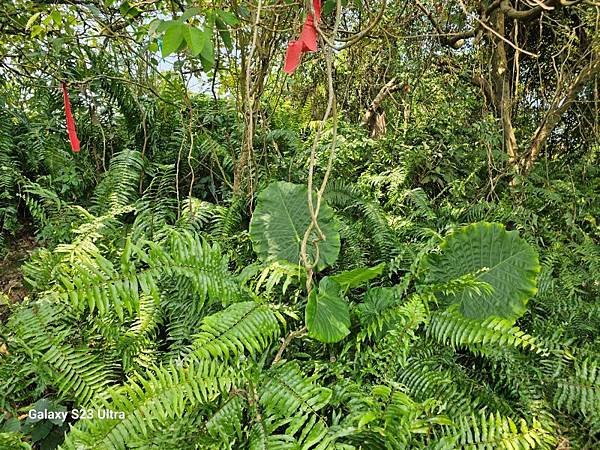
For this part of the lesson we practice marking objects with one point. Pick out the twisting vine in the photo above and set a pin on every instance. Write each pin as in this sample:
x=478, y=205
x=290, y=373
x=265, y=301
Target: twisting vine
x=330, y=110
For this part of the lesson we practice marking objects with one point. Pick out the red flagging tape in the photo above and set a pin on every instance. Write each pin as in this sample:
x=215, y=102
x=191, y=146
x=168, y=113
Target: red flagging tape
x=307, y=42
x=70, y=120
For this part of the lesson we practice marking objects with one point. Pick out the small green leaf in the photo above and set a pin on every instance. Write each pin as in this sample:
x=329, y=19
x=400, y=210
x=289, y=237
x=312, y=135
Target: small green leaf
x=32, y=19
x=42, y=404
x=328, y=7
x=95, y=11
x=36, y=30
x=154, y=25
x=207, y=55
x=366, y=418
x=56, y=18
x=195, y=39
x=129, y=10
x=12, y=425
x=190, y=12
x=355, y=277
x=163, y=25
x=224, y=33
x=40, y=430
x=173, y=38
x=228, y=17
x=326, y=316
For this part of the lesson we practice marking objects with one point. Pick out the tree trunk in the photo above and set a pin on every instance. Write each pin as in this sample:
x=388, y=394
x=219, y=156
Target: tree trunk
x=502, y=90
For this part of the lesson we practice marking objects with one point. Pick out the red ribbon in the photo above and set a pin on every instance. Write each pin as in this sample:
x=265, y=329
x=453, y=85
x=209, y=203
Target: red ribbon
x=307, y=42
x=70, y=120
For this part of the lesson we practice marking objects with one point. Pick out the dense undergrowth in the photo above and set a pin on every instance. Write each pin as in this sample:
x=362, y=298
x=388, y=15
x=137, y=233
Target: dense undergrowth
x=147, y=301
x=453, y=303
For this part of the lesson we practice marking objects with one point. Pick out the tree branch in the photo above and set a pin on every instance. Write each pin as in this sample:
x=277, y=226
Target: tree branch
x=513, y=13
x=457, y=40
x=559, y=106
x=386, y=90
x=292, y=335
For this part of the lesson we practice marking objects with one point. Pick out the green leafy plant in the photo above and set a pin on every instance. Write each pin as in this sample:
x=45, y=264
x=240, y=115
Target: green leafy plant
x=280, y=220
x=494, y=256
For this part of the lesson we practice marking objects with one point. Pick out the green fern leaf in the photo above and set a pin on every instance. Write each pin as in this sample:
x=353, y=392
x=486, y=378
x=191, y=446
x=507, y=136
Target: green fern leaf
x=241, y=327
x=451, y=327
x=149, y=404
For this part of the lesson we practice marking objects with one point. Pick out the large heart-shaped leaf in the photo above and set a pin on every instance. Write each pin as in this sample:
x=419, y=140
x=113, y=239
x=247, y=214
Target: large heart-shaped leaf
x=496, y=256
x=327, y=317
x=280, y=221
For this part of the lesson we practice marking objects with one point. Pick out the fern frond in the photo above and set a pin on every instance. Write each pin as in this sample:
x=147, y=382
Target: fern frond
x=150, y=404
x=274, y=272
x=120, y=184
x=580, y=393
x=439, y=377
x=451, y=327
x=77, y=372
x=226, y=421
x=137, y=345
x=158, y=206
x=382, y=311
x=496, y=432
x=192, y=260
x=387, y=418
x=289, y=398
x=242, y=327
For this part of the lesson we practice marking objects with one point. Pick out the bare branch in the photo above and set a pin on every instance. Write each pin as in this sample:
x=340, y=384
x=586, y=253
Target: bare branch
x=559, y=106
x=457, y=40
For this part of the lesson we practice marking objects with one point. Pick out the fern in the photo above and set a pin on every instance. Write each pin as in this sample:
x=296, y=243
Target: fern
x=150, y=404
x=387, y=418
x=288, y=398
x=157, y=208
x=245, y=326
x=75, y=370
x=580, y=393
x=450, y=327
x=494, y=431
x=383, y=312
x=120, y=184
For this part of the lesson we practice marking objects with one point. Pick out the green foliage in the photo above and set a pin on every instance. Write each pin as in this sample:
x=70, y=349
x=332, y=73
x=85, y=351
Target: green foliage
x=388, y=418
x=581, y=392
x=150, y=404
x=168, y=286
x=241, y=327
x=327, y=317
x=356, y=277
x=499, y=432
x=292, y=402
x=280, y=220
x=497, y=257
x=451, y=327
x=121, y=182
x=8, y=176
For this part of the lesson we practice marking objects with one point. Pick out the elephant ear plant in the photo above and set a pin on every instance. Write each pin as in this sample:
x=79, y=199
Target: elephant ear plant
x=494, y=270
